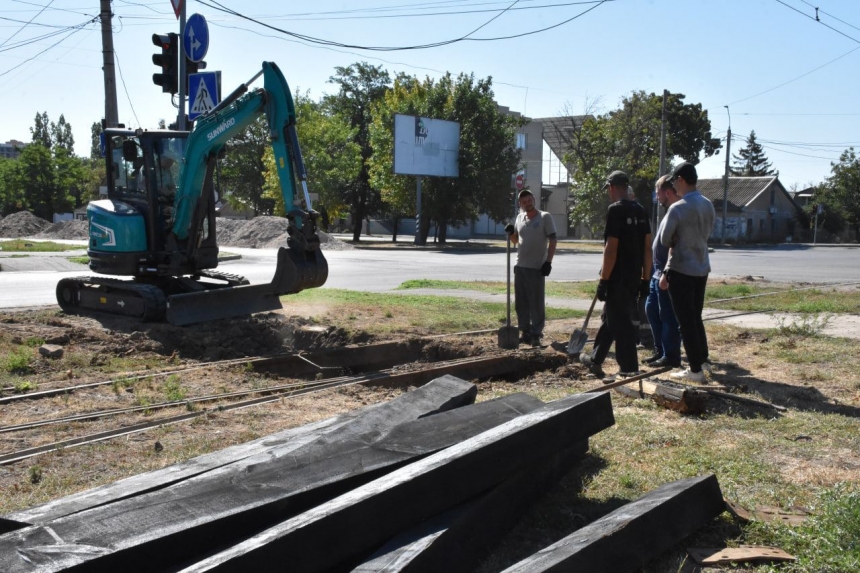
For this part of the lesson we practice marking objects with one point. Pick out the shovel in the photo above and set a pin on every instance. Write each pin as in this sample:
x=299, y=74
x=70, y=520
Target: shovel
x=579, y=337
x=509, y=335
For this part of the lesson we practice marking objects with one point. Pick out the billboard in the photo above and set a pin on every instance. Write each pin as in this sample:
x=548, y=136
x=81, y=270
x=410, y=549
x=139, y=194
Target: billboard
x=424, y=146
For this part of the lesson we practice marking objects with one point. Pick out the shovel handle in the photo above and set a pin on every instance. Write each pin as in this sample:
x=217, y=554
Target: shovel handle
x=590, y=310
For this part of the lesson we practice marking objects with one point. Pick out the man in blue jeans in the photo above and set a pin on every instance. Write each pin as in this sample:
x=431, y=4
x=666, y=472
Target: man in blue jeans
x=658, y=305
x=688, y=224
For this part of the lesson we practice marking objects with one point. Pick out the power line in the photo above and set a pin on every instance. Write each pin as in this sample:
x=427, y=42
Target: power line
x=124, y=87
x=220, y=7
x=797, y=78
x=6, y=41
x=817, y=9
x=819, y=21
x=55, y=44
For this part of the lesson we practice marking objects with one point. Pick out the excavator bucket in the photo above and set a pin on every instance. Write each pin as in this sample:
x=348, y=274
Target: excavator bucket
x=297, y=270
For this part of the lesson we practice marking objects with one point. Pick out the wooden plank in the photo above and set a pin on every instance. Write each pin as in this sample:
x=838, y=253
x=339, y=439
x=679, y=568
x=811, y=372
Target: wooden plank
x=679, y=398
x=439, y=395
x=457, y=540
x=624, y=540
x=356, y=522
x=166, y=528
x=709, y=556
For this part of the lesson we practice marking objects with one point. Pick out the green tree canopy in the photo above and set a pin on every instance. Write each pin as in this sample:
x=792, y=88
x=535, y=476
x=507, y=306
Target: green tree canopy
x=487, y=159
x=241, y=176
x=840, y=193
x=628, y=138
x=41, y=130
x=751, y=160
x=332, y=159
x=360, y=86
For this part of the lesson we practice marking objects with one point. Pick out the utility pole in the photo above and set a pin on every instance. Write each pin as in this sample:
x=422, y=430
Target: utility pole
x=111, y=113
x=656, y=206
x=180, y=118
x=726, y=184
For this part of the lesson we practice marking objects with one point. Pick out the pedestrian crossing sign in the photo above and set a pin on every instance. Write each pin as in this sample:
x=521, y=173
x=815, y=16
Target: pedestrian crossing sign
x=203, y=94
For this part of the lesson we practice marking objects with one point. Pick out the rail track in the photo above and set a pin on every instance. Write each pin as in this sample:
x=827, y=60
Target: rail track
x=399, y=375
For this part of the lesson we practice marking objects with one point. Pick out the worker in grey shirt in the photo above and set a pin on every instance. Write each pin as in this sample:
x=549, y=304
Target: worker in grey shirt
x=689, y=222
x=535, y=236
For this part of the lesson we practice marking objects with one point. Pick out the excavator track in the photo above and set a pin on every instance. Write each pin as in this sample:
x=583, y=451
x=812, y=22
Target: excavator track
x=111, y=296
x=230, y=279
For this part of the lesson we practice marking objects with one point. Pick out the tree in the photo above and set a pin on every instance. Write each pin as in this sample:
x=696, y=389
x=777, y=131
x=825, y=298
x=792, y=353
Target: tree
x=840, y=194
x=95, y=140
x=11, y=196
x=241, y=171
x=628, y=138
x=41, y=130
x=360, y=86
x=36, y=179
x=751, y=160
x=487, y=157
x=61, y=135
x=331, y=156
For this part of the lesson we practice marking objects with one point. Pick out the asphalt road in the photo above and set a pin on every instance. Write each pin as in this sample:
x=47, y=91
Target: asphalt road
x=379, y=270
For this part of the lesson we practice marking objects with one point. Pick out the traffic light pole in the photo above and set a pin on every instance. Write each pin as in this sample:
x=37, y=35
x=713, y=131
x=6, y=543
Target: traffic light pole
x=180, y=118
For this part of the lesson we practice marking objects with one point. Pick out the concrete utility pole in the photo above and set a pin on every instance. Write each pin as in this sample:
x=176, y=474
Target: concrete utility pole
x=726, y=184
x=111, y=113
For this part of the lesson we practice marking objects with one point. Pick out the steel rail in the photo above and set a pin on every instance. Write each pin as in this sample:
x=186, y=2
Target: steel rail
x=332, y=383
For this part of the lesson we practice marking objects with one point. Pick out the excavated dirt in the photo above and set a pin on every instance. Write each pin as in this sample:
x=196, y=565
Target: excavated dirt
x=22, y=224
x=262, y=232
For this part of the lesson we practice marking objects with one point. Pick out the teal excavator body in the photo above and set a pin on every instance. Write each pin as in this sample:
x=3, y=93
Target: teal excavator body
x=158, y=223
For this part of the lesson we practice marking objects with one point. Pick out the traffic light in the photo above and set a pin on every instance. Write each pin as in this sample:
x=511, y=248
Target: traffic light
x=192, y=67
x=168, y=59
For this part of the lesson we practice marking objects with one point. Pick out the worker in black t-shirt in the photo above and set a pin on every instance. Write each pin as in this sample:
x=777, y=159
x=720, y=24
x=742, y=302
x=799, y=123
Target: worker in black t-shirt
x=625, y=272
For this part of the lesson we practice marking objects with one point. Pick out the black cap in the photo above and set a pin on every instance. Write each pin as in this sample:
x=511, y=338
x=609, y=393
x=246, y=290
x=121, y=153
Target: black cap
x=524, y=193
x=687, y=171
x=617, y=178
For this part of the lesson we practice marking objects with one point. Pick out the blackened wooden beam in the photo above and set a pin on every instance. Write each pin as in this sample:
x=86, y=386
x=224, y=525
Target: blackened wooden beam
x=626, y=539
x=439, y=395
x=457, y=540
x=364, y=518
x=165, y=529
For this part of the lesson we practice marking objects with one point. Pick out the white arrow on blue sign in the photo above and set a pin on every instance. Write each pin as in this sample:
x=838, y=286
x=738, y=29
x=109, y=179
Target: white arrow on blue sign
x=195, y=38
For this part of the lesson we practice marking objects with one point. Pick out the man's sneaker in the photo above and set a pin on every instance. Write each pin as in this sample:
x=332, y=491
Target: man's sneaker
x=663, y=362
x=688, y=375
x=707, y=366
x=525, y=338
x=620, y=376
x=536, y=341
x=586, y=360
x=653, y=358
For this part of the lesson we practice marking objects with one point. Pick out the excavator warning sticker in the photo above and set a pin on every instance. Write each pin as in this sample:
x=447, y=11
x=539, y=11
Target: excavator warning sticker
x=203, y=93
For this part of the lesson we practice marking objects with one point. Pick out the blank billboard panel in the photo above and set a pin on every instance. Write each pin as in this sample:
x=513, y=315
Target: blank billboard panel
x=424, y=146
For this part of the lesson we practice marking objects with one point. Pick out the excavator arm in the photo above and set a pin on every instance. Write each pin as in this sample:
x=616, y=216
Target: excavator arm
x=232, y=117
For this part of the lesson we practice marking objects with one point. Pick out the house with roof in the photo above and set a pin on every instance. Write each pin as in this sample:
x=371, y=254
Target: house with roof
x=758, y=210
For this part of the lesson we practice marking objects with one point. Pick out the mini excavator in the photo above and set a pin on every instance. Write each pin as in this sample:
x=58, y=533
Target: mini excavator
x=157, y=224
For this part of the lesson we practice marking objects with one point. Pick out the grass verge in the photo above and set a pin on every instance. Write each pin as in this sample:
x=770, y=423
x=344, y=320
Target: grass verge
x=20, y=245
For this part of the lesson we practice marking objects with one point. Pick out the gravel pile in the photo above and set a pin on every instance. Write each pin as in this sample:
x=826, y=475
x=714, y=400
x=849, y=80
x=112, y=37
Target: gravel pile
x=22, y=224
x=65, y=230
x=258, y=233
x=266, y=232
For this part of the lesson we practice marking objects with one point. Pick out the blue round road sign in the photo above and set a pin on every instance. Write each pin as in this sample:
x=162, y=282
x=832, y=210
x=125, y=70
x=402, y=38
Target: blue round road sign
x=195, y=38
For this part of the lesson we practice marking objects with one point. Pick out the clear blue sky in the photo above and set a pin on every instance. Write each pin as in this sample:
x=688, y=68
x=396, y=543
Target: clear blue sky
x=717, y=52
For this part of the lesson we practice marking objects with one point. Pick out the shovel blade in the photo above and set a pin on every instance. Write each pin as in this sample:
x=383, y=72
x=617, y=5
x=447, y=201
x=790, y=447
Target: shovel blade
x=509, y=337
x=578, y=338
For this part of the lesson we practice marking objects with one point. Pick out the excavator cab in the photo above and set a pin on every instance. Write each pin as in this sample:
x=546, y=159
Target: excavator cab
x=158, y=222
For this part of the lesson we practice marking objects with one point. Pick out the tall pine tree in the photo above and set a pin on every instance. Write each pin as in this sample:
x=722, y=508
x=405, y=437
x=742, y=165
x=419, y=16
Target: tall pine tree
x=751, y=160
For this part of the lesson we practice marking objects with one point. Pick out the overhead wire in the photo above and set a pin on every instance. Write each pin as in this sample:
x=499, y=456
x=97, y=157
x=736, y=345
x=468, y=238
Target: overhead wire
x=214, y=4
x=6, y=41
x=124, y=87
x=831, y=15
x=70, y=33
x=818, y=20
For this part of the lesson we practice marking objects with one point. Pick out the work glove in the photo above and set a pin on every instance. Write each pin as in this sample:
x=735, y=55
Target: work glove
x=644, y=288
x=602, y=290
x=509, y=229
x=546, y=268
